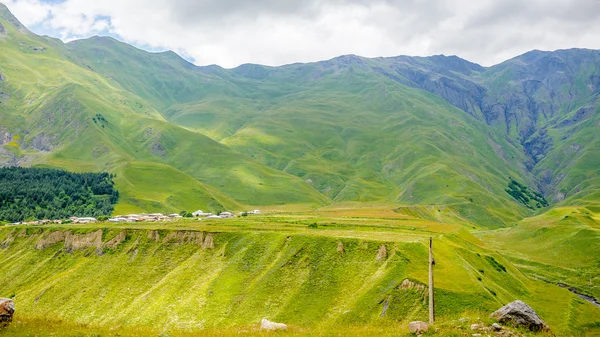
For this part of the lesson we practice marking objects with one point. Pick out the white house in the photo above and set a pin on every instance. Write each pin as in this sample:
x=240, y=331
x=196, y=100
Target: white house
x=214, y=217
x=226, y=215
x=198, y=213
x=85, y=220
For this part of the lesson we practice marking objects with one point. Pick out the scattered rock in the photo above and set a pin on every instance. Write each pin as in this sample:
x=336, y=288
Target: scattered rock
x=382, y=253
x=519, y=314
x=496, y=327
x=408, y=284
x=340, y=248
x=39, y=48
x=7, y=309
x=265, y=324
x=464, y=319
x=476, y=335
x=44, y=142
x=417, y=327
x=477, y=326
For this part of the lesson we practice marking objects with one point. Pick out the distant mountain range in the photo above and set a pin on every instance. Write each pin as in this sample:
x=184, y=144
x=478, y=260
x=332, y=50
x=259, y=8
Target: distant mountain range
x=435, y=130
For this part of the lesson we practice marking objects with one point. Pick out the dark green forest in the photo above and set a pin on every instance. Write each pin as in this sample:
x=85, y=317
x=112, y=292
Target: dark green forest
x=39, y=193
x=525, y=195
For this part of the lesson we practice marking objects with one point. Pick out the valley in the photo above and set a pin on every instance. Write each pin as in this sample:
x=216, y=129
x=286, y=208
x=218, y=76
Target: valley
x=354, y=163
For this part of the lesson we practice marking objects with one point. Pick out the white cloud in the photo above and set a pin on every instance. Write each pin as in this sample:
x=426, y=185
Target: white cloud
x=274, y=32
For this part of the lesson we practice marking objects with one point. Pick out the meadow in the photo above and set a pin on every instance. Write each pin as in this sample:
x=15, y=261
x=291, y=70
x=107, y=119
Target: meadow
x=321, y=271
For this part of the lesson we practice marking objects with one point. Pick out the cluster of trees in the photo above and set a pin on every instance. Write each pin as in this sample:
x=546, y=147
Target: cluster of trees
x=38, y=193
x=186, y=214
x=525, y=195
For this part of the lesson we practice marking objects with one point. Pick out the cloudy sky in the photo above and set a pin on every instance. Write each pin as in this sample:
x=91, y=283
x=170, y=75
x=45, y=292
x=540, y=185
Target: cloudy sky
x=275, y=32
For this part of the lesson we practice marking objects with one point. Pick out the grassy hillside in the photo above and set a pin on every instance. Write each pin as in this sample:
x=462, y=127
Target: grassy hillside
x=232, y=274
x=348, y=132
x=437, y=131
x=560, y=245
x=56, y=113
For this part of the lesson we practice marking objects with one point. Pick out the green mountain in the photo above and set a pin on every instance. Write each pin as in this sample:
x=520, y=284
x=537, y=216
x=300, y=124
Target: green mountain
x=406, y=130
x=364, y=161
x=57, y=113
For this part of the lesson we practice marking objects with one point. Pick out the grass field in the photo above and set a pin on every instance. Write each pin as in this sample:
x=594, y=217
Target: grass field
x=285, y=266
x=561, y=245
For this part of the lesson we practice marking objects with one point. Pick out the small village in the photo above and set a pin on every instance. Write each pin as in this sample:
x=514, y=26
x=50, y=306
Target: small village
x=153, y=217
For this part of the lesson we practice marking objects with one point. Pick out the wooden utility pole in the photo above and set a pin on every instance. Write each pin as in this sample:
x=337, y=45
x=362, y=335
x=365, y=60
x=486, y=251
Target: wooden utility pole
x=431, y=303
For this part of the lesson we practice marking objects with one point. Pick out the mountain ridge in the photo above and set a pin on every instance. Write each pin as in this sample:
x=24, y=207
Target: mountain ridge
x=350, y=128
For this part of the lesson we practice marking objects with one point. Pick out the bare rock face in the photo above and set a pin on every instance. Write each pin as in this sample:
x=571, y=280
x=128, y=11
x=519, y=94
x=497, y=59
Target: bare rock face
x=382, y=253
x=51, y=239
x=7, y=309
x=519, y=314
x=209, y=242
x=154, y=236
x=80, y=241
x=408, y=284
x=417, y=327
x=184, y=237
x=340, y=248
x=117, y=240
x=265, y=324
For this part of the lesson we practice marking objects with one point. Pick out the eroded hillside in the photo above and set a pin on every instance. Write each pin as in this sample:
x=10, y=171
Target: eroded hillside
x=207, y=279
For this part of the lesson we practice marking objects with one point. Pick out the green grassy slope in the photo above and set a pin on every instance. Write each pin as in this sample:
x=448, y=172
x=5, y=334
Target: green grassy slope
x=56, y=113
x=348, y=132
x=296, y=276
x=560, y=245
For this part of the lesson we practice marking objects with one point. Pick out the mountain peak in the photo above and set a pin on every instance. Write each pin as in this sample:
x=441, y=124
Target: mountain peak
x=8, y=17
x=455, y=63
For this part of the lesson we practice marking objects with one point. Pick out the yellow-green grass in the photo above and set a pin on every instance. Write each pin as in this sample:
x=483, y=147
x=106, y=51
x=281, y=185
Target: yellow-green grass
x=27, y=327
x=560, y=245
x=278, y=267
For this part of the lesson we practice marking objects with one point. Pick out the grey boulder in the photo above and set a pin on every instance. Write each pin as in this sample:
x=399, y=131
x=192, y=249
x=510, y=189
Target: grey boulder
x=418, y=327
x=519, y=314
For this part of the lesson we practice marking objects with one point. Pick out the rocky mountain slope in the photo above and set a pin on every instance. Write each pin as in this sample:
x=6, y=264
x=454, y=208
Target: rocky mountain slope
x=546, y=101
